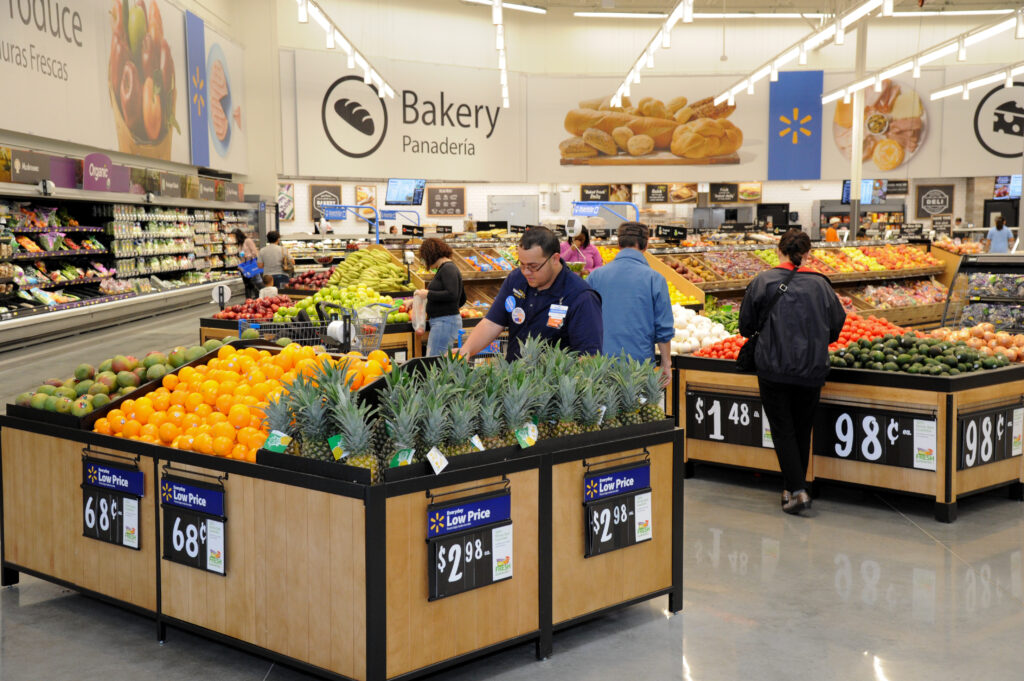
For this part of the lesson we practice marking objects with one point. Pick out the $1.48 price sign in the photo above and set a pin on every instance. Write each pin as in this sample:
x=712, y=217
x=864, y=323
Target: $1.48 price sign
x=469, y=544
x=110, y=502
x=733, y=419
x=989, y=436
x=875, y=436
x=617, y=508
x=194, y=524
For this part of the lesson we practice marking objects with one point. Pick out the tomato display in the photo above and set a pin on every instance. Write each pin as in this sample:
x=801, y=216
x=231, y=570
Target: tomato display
x=723, y=349
x=871, y=327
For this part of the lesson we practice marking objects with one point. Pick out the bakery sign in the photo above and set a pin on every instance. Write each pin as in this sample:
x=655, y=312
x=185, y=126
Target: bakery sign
x=934, y=200
x=443, y=121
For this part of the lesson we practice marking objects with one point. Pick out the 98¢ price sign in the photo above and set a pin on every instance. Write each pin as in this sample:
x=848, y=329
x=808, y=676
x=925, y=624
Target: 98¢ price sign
x=469, y=544
x=193, y=524
x=990, y=435
x=617, y=508
x=875, y=436
x=110, y=502
x=733, y=419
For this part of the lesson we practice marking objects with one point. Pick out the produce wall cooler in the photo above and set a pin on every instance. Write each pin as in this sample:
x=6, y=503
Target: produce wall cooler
x=987, y=288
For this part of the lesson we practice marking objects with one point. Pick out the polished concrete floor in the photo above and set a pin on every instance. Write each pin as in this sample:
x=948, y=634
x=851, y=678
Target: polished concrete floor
x=865, y=587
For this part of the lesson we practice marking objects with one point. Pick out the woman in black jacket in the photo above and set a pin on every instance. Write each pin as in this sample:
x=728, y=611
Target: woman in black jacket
x=444, y=296
x=792, y=356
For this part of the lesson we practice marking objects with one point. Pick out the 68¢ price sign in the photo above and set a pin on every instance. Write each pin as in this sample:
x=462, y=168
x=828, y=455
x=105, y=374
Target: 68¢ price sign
x=110, y=502
x=733, y=419
x=193, y=524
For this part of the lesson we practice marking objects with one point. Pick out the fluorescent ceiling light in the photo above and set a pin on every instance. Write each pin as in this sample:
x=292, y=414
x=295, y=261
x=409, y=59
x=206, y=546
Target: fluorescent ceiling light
x=987, y=80
x=894, y=71
x=859, y=13
x=619, y=15
x=1019, y=23
x=937, y=54
x=947, y=92
x=832, y=97
x=990, y=32
x=955, y=13
x=758, y=15
x=512, y=5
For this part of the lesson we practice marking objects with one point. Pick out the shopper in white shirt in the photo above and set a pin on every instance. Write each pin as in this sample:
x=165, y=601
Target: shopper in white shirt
x=268, y=290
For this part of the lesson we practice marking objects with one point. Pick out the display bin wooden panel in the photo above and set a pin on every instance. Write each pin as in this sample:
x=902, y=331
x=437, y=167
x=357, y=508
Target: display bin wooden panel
x=329, y=576
x=42, y=521
x=946, y=399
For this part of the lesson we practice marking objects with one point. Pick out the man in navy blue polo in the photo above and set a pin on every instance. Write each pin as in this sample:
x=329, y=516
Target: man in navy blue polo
x=635, y=301
x=542, y=298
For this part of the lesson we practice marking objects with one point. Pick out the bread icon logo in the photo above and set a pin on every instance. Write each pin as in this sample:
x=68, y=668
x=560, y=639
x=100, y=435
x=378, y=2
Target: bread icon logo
x=355, y=115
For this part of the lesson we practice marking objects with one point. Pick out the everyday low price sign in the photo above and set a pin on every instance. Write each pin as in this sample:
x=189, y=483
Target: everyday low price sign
x=470, y=544
x=110, y=502
x=194, y=532
x=617, y=505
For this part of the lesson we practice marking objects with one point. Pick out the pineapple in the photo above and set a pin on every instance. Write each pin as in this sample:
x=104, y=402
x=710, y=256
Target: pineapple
x=314, y=424
x=351, y=421
x=522, y=398
x=277, y=416
x=434, y=423
x=609, y=397
x=532, y=350
x=588, y=407
x=567, y=400
x=627, y=380
x=463, y=423
x=652, y=409
x=404, y=424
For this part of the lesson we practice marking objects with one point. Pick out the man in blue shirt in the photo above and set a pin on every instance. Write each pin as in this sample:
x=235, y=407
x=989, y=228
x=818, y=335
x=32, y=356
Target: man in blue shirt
x=999, y=237
x=542, y=298
x=635, y=302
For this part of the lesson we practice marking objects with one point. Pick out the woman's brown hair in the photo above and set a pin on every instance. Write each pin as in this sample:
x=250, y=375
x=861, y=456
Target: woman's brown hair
x=795, y=243
x=432, y=250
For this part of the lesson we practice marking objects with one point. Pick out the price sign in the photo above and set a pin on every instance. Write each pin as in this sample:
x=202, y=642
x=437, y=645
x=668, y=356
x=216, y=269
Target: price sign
x=194, y=524
x=875, y=436
x=989, y=436
x=469, y=544
x=733, y=419
x=110, y=502
x=617, y=505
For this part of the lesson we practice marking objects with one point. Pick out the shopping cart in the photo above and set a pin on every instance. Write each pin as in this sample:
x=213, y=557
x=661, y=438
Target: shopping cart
x=497, y=348
x=360, y=329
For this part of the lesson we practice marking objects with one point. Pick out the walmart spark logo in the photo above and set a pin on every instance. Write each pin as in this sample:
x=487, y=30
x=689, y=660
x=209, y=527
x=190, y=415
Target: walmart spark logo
x=437, y=522
x=197, y=98
x=795, y=126
x=165, y=491
x=91, y=475
x=591, y=491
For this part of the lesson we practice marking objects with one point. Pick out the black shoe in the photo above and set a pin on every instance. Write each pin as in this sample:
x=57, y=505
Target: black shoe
x=798, y=502
x=786, y=496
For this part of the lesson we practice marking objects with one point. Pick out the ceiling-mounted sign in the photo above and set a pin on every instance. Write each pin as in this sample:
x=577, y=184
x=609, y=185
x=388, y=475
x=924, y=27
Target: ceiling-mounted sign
x=724, y=193
x=656, y=193
x=934, y=199
x=96, y=173
x=322, y=195
x=896, y=188
x=447, y=201
x=28, y=167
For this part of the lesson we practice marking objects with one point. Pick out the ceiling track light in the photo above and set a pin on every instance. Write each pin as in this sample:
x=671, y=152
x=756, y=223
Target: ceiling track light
x=878, y=84
x=496, y=12
x=774, y=76
x=666, y=38
x=916, y=68
x=802, y=60
x=961, y=49
x=330, y=39
x=1004, y=76
x=687, y=11
x=303, y=12
x=840, y=33
x=967, y=94
x=512, y=5
x=1009, y=79
x=887, y=8
x=683, y=11
x=1018, y=31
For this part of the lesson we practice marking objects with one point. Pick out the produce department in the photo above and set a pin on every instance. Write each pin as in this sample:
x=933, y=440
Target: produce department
x=382, y=363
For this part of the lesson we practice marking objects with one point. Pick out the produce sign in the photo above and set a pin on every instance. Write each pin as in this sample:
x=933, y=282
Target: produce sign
x=194, y=524
x=469, y=544
x=989, y=435
x=875, y=436
x=617, y=505
x=732, y=419
x=110, y=502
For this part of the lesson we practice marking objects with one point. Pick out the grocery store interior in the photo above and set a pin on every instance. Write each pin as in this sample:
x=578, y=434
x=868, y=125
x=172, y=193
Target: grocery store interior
x=229, y=449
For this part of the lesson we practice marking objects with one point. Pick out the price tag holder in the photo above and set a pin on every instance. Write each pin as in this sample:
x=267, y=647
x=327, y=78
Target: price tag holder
x=194, y=525
x=110, y=502
x=617, y=508
x=878, y=436
x=469, y=544
x=732, y=419
x=989, y=436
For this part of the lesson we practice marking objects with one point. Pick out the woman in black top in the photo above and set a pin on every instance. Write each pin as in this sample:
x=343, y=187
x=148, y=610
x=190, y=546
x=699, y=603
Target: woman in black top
x=444, y=296
x=792, y=356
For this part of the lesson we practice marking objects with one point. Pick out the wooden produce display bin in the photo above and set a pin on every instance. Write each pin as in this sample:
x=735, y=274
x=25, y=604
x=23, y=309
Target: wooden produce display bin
x=340, y=579
x=397, y=338
x=684, y=285
x=940, y=437
x=951, y=262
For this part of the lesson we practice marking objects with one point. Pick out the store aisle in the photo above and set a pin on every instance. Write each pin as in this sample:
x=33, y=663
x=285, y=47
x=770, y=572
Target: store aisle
x=869, y=588
x=26, y=368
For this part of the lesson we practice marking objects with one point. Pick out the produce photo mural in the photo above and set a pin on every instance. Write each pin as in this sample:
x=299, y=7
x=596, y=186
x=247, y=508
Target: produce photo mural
x=143, y=73
x=895, y=123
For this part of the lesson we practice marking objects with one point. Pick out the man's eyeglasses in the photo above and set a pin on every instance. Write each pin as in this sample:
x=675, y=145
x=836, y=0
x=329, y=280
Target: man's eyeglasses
x=532, y=268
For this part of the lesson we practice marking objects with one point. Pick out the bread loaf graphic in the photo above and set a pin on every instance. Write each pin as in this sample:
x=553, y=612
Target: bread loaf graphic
x=355, y=115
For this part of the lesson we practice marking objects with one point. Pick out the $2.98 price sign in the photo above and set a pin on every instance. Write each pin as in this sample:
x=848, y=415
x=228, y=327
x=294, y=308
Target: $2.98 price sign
x=733, y=419
x=469, y=544
x=617, y=508
x=989, y=436
x=875, y=436
x=194, y=524
x=110, y=502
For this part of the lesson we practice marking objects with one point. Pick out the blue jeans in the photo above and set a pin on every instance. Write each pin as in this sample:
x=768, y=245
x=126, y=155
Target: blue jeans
x=444, y=331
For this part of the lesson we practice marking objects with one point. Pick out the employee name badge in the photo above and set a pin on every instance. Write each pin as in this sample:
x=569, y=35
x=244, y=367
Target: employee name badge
x=556, y=315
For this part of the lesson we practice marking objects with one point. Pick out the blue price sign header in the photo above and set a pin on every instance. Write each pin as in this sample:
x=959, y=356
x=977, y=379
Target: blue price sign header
x=113, y=478
x=333, y=212
x=465, y=515
x=586, y=209
x=389, y=215
x=609, y=483
x=192, y=497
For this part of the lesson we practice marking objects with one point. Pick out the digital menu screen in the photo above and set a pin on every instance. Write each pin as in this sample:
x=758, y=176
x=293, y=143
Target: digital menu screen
x=871, y=191
x=1007, y=187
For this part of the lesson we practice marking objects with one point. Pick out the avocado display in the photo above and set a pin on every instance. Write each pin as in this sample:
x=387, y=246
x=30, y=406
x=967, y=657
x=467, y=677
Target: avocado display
x=912, y=355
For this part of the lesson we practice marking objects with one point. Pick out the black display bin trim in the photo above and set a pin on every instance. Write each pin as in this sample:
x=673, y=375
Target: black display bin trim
x=462, y=659
x=130, y=607
x=883, y=379
x=566, y=624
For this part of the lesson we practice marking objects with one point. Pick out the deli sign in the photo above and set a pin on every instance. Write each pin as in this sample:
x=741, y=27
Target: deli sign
x=934, y=200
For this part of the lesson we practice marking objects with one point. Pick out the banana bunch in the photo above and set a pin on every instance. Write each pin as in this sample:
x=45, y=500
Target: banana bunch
x=372, y=268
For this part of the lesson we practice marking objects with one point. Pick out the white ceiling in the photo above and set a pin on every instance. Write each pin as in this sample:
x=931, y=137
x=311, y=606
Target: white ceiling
x=757, y=5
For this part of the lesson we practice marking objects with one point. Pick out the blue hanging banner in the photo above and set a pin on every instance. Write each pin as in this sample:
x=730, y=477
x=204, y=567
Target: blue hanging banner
x=389, y=215
x=198, y=92
x=467, y=514
x=794, y=126
x=586, y=210
x=178, y=493
x=610, y=483
x=113, y=478
x=333, y=212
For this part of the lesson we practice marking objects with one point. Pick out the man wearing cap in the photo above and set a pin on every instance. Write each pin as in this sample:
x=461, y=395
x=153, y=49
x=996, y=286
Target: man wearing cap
x=542, y=298
x=831, y=234
x=635, y=302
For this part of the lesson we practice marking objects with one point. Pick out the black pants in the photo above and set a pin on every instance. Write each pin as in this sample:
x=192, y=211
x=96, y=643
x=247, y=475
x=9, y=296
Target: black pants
x=790, y=411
